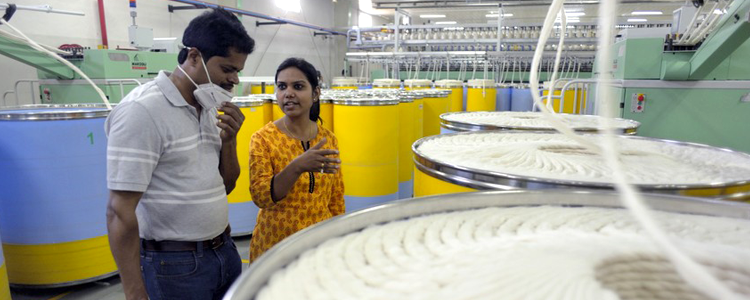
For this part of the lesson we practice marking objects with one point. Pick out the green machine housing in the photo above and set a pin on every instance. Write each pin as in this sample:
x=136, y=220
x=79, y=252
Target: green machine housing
x=700, y=96
x=116, y=72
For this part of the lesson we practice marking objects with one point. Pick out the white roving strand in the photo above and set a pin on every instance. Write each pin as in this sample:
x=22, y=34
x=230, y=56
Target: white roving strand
x=543, y=252
x=20, y=39
x=40, y=48
x=694, y=273
x=552, y=83
x=554, y=9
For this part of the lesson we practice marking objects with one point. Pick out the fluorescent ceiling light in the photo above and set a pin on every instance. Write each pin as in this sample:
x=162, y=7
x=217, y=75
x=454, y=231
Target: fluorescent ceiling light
x=496, y=15
x=446, y=23
x=719, y=11
x=289, y=5
x=574, y=21
x=647, y=13
x=573, y=9
x=633, y=20
x=575, y=14
x=431, y=16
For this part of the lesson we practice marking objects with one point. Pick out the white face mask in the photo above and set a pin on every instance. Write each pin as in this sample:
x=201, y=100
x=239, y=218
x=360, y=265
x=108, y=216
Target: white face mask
x=209, y=95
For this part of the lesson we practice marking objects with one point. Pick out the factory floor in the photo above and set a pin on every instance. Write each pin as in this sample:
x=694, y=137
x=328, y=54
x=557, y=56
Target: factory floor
x=106, y=289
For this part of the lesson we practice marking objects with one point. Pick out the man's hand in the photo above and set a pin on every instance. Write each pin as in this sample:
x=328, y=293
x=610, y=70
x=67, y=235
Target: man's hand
x=230, y=122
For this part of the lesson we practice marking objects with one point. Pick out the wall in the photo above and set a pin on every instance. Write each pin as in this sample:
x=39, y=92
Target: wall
x=274, y=43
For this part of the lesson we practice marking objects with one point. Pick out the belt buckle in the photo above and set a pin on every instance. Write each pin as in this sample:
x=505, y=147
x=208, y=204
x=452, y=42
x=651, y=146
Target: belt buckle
x=217, y=242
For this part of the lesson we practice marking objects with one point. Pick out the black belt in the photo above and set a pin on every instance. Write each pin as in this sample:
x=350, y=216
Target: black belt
x=174, y=246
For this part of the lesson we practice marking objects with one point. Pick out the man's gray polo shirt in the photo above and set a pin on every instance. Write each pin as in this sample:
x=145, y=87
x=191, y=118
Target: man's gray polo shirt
x=158, y=146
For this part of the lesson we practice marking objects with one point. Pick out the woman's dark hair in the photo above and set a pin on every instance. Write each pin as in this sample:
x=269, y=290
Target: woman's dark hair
x=214, y=32
x=312, y=76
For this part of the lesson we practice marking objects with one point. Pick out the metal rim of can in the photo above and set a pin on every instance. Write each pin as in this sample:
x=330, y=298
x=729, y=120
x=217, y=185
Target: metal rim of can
x=366, y=101
x=631, y=129
x=483, y=180
x=61, y=112
x=443, y=92
x=248, y=101
x=405, y=99
x=449, y=83
x=390, y=83
x=266, y=81
x=417, y=83
x=482, y=86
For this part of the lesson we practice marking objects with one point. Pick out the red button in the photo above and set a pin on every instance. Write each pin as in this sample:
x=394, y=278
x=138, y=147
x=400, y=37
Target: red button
x=639, y=107
x=640, y=97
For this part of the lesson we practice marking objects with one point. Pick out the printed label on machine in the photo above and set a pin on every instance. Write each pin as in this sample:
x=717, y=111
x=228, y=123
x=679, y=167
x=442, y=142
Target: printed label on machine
x=138, y=65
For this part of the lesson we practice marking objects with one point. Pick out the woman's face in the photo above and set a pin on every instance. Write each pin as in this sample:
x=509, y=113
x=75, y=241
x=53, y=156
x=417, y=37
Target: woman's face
x=294, y=93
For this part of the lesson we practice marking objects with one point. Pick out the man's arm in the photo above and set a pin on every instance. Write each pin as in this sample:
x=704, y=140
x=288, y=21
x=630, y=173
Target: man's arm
x=229, y=166
x=122, y=226
x=229, y=123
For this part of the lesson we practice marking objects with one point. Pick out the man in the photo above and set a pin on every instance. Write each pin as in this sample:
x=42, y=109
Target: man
x=171, y=161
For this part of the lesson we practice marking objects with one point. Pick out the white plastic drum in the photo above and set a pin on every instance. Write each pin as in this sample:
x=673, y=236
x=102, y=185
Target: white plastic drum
x=521, y=99
x=504, y=92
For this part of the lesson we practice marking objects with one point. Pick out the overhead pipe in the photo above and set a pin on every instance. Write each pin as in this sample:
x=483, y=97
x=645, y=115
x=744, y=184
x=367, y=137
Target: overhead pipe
x=43, y=8
x=259, y=15
x=417, y=4
x=103, y=25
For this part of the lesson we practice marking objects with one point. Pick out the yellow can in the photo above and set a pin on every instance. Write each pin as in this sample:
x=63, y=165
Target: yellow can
x=242, y=211
x=326, y=113
x=386, y=83
x=406, y=112
x=276, y=112
x=457, y=93
x=419, y=115
x=344, y=83
x=268, y=105
x=262, y=86
x=428, y=185
x=574, y=100
x=417, y=84
x=436, y=103
x=368, y=135
x=443, y=168
x=481, y=95
x=4, y=288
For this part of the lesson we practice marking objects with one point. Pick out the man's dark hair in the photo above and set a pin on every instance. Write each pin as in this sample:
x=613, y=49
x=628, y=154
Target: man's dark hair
x=312, y=76
x=213, y=33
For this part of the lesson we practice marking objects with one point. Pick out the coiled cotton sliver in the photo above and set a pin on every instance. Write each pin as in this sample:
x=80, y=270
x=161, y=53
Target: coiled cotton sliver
x=515, y=253
x=556, y=157
x=532, y=120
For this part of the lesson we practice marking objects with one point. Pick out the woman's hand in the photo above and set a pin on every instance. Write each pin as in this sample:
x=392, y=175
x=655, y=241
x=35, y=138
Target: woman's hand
x=317, y=160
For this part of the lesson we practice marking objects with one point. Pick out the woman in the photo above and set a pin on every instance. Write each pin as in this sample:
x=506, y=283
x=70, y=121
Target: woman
x=295, y=177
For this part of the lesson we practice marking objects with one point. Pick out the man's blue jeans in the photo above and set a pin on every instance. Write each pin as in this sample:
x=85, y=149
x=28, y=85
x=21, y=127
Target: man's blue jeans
x=203, y=274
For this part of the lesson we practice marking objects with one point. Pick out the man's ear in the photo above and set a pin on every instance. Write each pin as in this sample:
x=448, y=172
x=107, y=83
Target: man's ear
x=193, y=57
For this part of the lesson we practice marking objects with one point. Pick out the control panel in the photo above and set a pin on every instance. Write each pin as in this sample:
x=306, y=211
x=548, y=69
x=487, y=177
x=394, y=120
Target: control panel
x=638, y=103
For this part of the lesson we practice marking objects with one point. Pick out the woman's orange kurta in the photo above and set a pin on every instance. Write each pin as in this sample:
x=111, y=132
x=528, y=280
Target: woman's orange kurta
x=270, y=152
